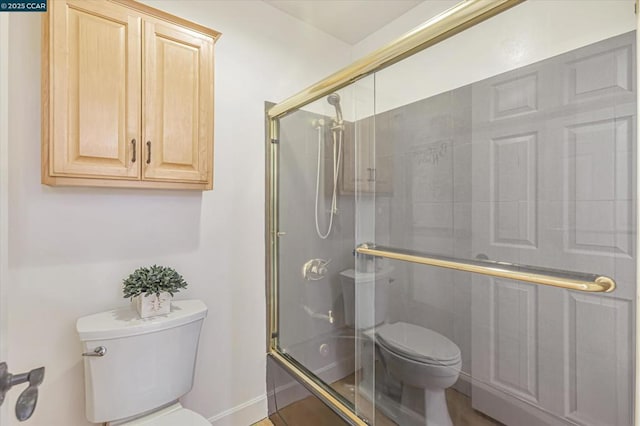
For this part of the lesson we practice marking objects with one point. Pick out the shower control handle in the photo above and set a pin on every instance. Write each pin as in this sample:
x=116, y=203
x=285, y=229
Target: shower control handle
x=315, y=269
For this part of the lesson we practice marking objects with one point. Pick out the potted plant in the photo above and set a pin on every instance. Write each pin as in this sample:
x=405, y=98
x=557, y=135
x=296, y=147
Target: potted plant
x=151, y=288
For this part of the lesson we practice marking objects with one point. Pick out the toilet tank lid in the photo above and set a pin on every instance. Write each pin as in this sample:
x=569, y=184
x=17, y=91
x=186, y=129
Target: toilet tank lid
x=123, y=322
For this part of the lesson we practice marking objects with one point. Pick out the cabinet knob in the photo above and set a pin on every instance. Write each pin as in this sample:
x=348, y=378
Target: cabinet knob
x=148, y=152
x=372, y=174
x=133, y=148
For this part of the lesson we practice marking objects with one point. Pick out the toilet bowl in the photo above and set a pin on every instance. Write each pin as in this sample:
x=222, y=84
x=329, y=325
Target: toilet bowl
x=137, y=369
x=423, y=361
x=426, y=363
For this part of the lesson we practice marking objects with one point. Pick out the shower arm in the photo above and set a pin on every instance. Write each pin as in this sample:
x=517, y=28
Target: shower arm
x=542, y=276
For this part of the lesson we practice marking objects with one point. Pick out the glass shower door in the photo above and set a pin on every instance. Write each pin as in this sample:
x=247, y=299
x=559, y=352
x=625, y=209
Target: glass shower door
x=555, y=186
x=456, y=234
x=316, y=268
x=521, y=151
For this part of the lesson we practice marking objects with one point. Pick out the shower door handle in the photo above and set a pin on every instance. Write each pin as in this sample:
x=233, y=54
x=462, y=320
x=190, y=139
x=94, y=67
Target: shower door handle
x=532, y=274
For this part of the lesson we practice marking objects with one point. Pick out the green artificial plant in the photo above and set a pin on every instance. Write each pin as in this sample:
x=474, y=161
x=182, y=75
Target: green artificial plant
x=153, y=280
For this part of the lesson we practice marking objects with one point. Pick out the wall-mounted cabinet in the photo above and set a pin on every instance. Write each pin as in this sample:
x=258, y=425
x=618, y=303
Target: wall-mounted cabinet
x=127, y=97
x=368, y=156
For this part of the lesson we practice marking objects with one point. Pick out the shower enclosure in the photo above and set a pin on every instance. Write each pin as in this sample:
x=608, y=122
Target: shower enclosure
x=452, y=222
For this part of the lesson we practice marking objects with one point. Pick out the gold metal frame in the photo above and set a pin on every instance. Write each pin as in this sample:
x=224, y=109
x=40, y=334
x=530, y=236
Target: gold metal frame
x=542, y=276
x=462, y=16
x=450, y=22
x=636, y=405
x=312, y=385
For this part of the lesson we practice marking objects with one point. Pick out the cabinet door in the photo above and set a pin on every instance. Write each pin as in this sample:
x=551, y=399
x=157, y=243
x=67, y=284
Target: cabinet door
x=381, y=169
x=357, y=164
x=368, y=156
x=95, y=94
x=178, y=104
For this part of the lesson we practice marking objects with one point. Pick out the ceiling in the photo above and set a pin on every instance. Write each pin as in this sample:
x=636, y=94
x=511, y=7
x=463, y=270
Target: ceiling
x=348, y=20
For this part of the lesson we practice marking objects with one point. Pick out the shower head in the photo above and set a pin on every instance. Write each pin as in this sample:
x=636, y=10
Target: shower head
x=334, y=99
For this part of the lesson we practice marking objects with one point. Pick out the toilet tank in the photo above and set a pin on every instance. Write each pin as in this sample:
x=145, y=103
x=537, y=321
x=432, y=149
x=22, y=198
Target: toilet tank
x=373, y=292
x=148, y=363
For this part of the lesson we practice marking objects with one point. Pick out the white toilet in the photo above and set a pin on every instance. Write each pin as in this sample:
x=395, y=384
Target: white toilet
x=422, y=360
x=147, y=364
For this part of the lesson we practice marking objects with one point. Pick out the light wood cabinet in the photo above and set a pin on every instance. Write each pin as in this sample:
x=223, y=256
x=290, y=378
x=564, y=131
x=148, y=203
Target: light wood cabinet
x=368, y=161
x=127, y=97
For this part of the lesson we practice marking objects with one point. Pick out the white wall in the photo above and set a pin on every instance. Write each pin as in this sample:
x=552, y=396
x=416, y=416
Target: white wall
x=71, y=247
x=401, y=25
x=530, y=32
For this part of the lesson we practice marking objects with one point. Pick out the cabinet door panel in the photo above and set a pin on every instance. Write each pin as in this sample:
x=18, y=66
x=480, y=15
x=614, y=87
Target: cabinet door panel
x=178, y=104
x=358, y=166
x=96, y=73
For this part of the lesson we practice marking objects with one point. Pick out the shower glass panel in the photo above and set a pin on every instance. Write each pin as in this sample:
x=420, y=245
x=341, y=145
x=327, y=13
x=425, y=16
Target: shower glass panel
x=456, y=233
x=519, y=150
x=316, y=242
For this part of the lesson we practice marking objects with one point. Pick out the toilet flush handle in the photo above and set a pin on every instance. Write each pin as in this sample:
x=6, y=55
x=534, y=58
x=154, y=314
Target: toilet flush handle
x=99, y=351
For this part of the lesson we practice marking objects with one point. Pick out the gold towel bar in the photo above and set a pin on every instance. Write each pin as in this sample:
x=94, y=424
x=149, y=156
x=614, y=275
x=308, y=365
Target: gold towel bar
x=543, y=276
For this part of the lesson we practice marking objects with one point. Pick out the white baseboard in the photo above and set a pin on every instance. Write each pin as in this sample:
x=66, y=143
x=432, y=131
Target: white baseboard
x=509, y=409
x=244, y=414
x=463, y=385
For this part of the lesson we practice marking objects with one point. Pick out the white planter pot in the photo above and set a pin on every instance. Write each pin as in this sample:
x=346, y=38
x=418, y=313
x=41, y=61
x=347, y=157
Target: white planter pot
x=152, y=305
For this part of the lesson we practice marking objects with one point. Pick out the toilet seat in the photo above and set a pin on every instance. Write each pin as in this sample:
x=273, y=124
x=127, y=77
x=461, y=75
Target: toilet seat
x=176, y=415
x=418, y=344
